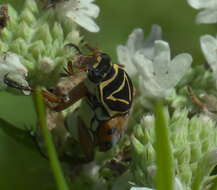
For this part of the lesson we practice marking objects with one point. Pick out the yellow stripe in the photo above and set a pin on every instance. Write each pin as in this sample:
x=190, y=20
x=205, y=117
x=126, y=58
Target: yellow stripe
x=111, y=97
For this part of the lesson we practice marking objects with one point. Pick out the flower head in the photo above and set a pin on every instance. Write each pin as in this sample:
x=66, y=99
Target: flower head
x=158, y=75
x=209, y=12
x=137, y=43
x=82, y=12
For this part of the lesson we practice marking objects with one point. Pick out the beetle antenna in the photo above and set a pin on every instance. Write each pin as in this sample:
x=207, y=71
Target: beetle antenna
x=74, y=46
x=94, y=50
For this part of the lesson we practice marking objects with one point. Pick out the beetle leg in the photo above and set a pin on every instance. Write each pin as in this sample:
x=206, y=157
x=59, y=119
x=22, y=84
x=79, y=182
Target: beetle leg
x=196, y=100
x=70, y=68
x=93, y=50
x=49, y=96
x=86, y=140
x=75, y=94
x=75, y=47
x=13, y=84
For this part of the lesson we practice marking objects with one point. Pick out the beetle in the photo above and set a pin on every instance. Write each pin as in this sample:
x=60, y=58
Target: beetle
x=107, y=94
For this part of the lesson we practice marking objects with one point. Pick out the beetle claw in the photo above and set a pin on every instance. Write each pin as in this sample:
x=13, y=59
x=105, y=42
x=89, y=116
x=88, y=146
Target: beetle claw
x=75, y=47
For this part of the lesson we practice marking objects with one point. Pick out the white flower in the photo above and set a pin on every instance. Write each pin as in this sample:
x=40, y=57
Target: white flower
x=208, y=45
x=140, y=188
x=80, y=11
x=159, y=75
x=209, y=12
x=136, y=42
x=11, y=66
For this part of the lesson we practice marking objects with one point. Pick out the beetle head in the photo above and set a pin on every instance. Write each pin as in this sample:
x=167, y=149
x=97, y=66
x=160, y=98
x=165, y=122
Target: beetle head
x=97, y=64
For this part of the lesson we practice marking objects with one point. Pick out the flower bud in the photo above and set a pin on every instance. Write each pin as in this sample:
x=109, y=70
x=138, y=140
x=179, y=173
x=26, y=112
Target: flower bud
x=31, y=5
x=43, y=34
x=57, y=31
x=28, y=17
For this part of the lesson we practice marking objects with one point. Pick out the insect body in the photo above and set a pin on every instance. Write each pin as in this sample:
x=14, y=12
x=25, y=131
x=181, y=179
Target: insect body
x=103, y=114
x=107, y=94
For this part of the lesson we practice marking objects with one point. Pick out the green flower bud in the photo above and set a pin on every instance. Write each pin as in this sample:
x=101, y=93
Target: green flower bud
x=37, y=49
x=6, y=35
x=57, y=31
x=185, y=173
x=31, y=6
x=3, y=47
x=183, y=154
x=23, y=31
x=28, y=17
x=43, y=34
x=19, y=46
x=29, y=65
x=73, y=37
x=138, y=146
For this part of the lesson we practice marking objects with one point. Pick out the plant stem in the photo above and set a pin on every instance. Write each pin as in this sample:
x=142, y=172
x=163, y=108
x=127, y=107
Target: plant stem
x=52, y=155
x=165, y=176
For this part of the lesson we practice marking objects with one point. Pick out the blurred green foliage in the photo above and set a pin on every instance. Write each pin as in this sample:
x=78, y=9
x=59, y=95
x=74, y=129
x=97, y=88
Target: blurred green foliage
x=23, y=168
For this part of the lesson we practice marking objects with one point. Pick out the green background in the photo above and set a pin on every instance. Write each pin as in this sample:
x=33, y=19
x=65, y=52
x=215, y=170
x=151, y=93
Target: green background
x=21, y=166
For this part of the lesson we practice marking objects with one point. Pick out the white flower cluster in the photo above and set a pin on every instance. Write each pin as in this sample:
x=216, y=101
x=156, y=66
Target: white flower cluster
x=151, y=61
x=209, y=12
x=82, y=12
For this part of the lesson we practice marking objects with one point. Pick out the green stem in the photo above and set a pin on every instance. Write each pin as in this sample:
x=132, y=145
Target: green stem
x=165, y=175
x=52, y=155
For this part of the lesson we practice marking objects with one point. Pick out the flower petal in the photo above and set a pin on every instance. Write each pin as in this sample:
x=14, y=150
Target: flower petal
x=209, y=48
x=144, y=65
x=198, y=4
x=135, y=40
x=124, y=58
x=181, y=64
x=148, y=44
x=161, y=57
x=91, y=9
x=85, y=21
x=207, y=16
x=155, y=34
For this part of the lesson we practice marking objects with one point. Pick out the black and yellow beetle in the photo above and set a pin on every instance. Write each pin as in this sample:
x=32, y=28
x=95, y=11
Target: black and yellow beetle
x=106, y=91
